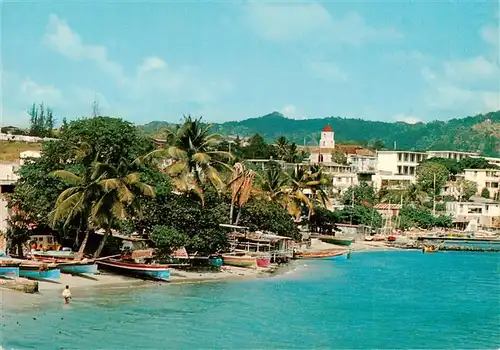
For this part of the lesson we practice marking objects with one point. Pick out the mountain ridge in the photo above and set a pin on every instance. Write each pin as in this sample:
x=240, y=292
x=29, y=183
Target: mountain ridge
x=480, y=133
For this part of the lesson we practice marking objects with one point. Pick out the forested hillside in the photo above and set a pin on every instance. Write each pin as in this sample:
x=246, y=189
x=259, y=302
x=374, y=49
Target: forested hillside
x=480, y=133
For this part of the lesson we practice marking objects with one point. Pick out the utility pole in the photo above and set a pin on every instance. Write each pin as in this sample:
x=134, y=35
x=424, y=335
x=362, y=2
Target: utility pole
x=434, y=197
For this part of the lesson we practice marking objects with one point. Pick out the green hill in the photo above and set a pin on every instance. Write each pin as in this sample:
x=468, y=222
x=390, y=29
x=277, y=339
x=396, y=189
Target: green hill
x=480, y=133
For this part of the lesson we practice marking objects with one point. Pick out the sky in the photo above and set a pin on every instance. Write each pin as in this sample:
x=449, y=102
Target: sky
x=233, y=60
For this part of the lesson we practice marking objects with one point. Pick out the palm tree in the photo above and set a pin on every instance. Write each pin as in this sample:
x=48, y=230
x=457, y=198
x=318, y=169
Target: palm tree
x=102, y=194
x=120, y=197
x=282, y=147
x=272, y=183
x=241, y=187
x=191, y=157
x=299, y=181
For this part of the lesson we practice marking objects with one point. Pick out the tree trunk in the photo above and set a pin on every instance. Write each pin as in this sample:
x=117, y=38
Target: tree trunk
x=79, y=255
x=103, y=242
x=238, y=217
x=20, y=249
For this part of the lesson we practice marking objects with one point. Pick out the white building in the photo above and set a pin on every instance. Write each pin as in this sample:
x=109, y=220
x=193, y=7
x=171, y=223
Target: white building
x=399, y=162
x=362, y=163
x=486, y=213
x=456, y=155
x=323, y=153
x=492, y=160
x=8, y=178
x=485, y=178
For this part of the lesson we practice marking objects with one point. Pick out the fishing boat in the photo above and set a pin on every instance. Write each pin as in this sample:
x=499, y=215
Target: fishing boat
x=32, y=269
x=324, y=254
x=52, y=254
x=263, y=261
x=78, y=267
x=239, y=260
x=157, y=272
x=9, y=269
x=343, y=241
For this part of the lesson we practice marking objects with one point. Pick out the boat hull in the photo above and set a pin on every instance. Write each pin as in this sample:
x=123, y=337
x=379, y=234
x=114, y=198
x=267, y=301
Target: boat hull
x=9, y=271
x=240, y=261
x=34, y=271
x=79, y=268
x=336, y=240
x=154, y=272
x=325, y=255
x=263, y=262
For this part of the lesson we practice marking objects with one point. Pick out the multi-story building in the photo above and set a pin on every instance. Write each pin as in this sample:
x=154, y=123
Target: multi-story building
x=399, y=162
x=485, y=212
x=362, y=163
x=485, y=178
x=456, y=155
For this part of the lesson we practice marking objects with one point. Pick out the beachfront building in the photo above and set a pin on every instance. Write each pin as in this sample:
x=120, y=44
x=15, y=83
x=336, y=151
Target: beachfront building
x=485, y=178
x=483, y=211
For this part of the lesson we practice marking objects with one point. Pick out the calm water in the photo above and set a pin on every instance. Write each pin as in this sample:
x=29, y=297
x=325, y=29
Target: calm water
x=375, y=300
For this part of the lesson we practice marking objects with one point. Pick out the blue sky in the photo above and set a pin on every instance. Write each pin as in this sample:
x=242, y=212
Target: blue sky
x=233, y=60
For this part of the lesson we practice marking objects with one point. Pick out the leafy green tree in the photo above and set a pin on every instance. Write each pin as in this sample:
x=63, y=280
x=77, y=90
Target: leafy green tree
x=339, y=157
x=323, y=220
x=378, y=145
x=431, y=177
x=272, y=182
x=485, y=193
x=359, y=215
x=467, y=189
x=421, y=217
x=451, y=164
x=362, y=194
x=261, y=214
x=282, y=146
x=475, y=163
x=167, y=239
x=257, y=148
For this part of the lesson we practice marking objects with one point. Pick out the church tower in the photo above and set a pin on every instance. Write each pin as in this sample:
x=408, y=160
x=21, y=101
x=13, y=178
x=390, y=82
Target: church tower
x=327, y=137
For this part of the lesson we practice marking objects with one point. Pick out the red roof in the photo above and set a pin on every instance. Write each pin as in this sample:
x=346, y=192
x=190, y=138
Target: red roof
x=327, y=128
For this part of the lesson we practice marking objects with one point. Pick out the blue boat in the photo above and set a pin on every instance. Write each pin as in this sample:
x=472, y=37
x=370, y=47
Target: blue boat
x=9, y=269
x=39, y=271
x=149, y=271
x=78, y=267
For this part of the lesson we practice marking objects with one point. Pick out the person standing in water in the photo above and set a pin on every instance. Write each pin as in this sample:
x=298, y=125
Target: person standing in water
x=66, y=295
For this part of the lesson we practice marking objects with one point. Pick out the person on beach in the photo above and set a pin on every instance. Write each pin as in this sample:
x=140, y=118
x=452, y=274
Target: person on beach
x=66, y=295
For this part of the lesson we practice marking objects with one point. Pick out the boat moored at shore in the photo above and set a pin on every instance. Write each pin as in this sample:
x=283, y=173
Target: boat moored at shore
x=9, y=269
x=240, y=260
x=39, y=270
x=157, y=272
x=325, y=254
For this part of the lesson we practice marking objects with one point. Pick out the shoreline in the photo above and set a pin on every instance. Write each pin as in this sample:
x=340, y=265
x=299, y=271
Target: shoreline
x=81, y=285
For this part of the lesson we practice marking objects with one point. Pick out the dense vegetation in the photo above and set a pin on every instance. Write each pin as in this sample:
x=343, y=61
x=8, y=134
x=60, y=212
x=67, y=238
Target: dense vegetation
x=479, y=133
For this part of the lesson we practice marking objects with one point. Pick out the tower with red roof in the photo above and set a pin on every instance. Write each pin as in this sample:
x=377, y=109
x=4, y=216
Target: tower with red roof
x=327, y=137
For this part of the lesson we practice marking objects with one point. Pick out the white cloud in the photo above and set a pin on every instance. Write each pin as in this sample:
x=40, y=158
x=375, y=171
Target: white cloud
x=151, y=63
x=468, y=85
x=326, y=70
x=406, y=119
x=153, y=76
x=490, y=34
x=40, y=93
x=310, y=21
x=289, y=111
x=60, y=37
x=477, y=68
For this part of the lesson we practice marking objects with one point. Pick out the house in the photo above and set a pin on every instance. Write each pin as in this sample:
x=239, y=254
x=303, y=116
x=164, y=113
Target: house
x=485, y=178
x=23, y=156
x=388, y=210
x=399, y=162
x=485, y=212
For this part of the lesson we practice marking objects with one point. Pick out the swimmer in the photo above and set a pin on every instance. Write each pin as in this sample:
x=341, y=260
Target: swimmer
x=66, y=295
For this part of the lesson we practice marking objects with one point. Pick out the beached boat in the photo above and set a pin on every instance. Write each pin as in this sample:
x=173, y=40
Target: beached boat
x=78, y=267
x=52, y=254
x=239, y=260
x=263, y=261
x=149, y=271
x=343, y=241
x=9, y=269
x=324, y=254
x=36, y=270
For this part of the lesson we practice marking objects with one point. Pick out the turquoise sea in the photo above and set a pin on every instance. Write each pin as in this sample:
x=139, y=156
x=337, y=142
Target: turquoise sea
x=403, y=300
